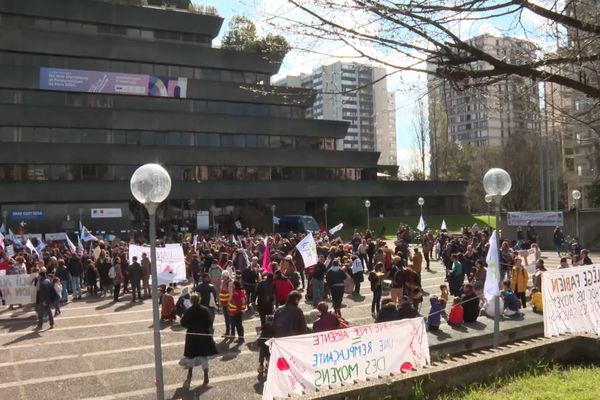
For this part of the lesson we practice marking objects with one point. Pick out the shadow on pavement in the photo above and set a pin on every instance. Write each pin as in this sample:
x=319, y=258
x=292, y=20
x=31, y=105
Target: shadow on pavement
x=29, y=336
x=440, y=335
x=187, y=393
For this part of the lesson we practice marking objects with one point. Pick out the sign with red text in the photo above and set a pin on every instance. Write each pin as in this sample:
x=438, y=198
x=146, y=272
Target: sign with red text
x=305, y=363
x=571, y=298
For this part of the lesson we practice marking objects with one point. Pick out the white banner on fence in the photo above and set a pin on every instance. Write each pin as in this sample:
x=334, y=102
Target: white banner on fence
x=106, y=213
x=18, y=289
x=309, y=362
x=571, y=298
x=536, y=218
x=56, y=236
x=170, y=261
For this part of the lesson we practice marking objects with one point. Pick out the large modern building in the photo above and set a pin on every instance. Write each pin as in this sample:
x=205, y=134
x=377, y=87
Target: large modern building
x=91, y=90
x=358, y=94
x=482, y=116
x=571, y=119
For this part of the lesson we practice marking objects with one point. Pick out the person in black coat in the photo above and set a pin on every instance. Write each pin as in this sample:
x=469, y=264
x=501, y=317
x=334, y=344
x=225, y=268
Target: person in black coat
x=470, y=303
x=265, y=298
x=198, y=319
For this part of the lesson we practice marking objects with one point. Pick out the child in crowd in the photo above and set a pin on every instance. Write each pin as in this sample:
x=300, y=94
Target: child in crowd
x=511, y=302
x=444, y=294
x=167, y=310
x=536, y=300
x=435, y=313
x=456, y=313
x=58, y=288
x=417, y=298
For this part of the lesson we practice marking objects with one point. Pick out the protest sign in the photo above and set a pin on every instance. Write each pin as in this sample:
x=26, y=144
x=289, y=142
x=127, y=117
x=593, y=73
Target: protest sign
x=571, y=299
x=170, y=261
x=18, y=289
x=308, y=250
x=314, y=361
x=536, y=218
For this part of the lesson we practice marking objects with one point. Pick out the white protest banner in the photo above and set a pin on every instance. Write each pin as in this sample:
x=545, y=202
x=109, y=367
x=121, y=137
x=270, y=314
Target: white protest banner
x=170, y=261
x=536, y=218
x=336, y=228
x=314, y=361
x=308, y=249
x=18, y=289
x=571, y=300
x=55, y=236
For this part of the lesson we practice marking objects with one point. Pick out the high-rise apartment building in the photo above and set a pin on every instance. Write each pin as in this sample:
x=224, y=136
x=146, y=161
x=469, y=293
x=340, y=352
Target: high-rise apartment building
x=358, y=94
x=571, y=118
x=489, y=115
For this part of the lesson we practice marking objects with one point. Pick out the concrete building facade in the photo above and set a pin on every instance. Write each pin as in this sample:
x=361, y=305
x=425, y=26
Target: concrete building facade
x=358, y=94
x=91, y=90
x=487, y=116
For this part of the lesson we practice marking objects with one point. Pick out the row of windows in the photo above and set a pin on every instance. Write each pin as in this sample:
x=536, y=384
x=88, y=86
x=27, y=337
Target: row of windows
x=92, y=28
x=97, y=64
x=149, y=138
x=33, y=97
x=43, y=172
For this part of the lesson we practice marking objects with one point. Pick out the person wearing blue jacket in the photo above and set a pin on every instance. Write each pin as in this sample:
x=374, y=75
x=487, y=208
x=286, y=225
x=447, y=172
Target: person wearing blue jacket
x=435, y=313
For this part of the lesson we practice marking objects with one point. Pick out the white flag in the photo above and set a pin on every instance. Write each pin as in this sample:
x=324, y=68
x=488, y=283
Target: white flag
x=1, y=241
x=443, y=228
x=421, y=226
x=275, y=220
x=336, y=228
x=492, y=278
x=71, y=246
x=32, y=248
x=2, y=229
x=308, y=250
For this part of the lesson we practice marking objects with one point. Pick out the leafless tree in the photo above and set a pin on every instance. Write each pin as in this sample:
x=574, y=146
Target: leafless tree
x=421, y=137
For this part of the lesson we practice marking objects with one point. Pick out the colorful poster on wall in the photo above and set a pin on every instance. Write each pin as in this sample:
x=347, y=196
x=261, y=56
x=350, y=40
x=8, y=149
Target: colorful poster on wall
x=305, y=363
x=571, y=300
x=74, y=80
x=106, y=213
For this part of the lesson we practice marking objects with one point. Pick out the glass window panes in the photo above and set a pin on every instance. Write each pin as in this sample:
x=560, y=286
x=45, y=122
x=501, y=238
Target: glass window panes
x=251, y=141
x=160, y=138
x=213, y=140
x=275, y=142
x=239, y=141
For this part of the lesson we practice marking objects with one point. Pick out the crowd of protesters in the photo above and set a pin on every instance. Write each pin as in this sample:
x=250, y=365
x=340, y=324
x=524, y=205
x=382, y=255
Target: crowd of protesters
x=232, y=275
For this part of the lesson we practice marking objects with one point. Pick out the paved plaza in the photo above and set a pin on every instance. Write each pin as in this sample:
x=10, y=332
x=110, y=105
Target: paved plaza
x=103, y=350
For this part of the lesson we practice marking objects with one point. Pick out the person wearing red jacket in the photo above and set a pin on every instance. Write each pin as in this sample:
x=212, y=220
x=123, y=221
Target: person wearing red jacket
x=457, y=313
x=283, y=287
x=237, y=306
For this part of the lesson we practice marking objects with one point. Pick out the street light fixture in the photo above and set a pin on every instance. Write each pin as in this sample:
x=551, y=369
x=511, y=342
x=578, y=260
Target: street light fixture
x=273, y=207
x=325, y=207
x=576, y=197
x=367, y=205
x=421, y=201
x=497, y=183
x=150, y=185
x=488, y=199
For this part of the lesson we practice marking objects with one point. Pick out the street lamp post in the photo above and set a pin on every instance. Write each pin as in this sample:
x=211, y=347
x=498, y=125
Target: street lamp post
x=576, y=197
x=150, y=185
x=325, y=206
x=497, y=184
x=367, y=205
x=488, y=199
x=421, y=201
x=273, y=217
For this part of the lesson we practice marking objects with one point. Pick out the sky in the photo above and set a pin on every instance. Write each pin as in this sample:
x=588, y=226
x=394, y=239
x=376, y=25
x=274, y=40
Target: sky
x=407, y=86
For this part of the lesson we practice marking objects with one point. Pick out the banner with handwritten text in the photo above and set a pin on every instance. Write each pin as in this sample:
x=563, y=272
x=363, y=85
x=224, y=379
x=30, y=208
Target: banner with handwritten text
x=571, y=299
x=170, y=261
x=18, y=289
x=305, y=363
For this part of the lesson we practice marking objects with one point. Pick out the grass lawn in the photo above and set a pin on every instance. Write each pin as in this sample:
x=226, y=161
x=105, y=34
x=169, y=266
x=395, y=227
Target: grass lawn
x=556, y=383
x=454, y=223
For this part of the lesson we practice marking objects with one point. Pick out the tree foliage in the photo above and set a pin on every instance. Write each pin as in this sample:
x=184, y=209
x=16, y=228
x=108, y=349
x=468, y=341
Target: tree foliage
x=429, y=31
x=593, y=194
x=241, y=36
